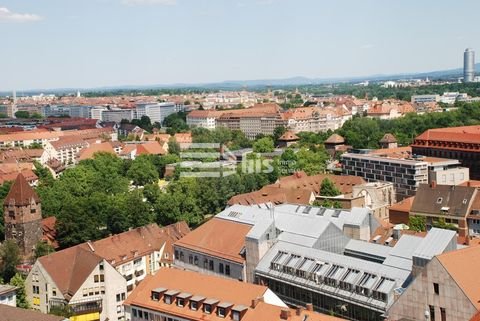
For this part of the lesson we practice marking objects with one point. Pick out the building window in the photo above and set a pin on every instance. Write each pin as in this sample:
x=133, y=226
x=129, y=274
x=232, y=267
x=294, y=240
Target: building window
x=194, y=305
x=195, y=260
x=207, y=308
x=118, y=297
x=436, y=288
x=168, y=299
x=134, y=311
x=221, y=312
x=227, y=269
x=443, y=314
x=432, y=313
x=180, y=302
x=211, y=267
x=190, y=259
x=96, y=278
x=236, y=316
x=220, y=268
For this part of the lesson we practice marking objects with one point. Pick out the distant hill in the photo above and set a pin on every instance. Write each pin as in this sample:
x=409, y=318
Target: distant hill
x=238, y=84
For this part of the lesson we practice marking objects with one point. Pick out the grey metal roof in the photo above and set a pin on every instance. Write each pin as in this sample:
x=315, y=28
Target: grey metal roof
x=321, y=266
x=197, y=298
x=172, y=292
x=436, y=242
x=372, y=249
x=304, y=220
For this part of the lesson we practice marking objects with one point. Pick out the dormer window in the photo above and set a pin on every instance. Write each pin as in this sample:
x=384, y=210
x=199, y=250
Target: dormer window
x=168, y=299
x=180, y=302
x=207, y=308
x=235, y=316
x=155, y=296
x=221, y=312
x=193, y=305
x=439, y=200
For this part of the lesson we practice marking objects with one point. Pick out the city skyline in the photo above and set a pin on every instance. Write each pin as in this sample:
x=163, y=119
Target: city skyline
x=97, y=43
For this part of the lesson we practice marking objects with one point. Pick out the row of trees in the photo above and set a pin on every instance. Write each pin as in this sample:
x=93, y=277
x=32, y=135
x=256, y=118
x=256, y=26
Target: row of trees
x=361, y=132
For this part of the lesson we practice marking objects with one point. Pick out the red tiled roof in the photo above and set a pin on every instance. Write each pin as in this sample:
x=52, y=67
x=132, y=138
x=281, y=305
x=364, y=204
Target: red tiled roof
x=69, y=268
x=299, y=180
x=120, y=248
x=9, y=313
x=463, y=266
x=218, y=237
x=21, y=193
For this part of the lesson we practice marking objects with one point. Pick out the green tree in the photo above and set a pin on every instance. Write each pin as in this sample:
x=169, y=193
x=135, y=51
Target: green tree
x=142, y=172
x=43, y=248
x=174, y=147
x=278, y=132
x=19, y=282
x=328, y=188
x=264, y=145
x=22, y=114
x=9, y=259
x=311, y=161
x=417, y=223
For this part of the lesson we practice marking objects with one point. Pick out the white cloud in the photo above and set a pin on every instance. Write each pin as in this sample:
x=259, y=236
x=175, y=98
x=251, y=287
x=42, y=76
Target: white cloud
x=150, y=2
x=8, y=16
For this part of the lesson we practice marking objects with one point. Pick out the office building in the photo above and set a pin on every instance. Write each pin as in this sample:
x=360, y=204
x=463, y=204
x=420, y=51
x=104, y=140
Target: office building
x=469, y=65
x=461, y=143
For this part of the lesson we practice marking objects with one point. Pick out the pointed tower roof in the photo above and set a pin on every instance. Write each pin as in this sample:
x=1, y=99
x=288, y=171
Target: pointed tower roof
x=388, y=138
x=21, y=192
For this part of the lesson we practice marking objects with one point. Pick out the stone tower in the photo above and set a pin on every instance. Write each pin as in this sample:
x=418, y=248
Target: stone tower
x=23, y=216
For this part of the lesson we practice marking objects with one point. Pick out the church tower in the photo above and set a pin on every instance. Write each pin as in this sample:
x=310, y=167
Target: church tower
x=23, y=216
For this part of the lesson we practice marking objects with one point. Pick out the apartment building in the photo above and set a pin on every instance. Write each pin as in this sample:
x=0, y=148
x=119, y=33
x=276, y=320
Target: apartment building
x=78, y=281
x=450, y=203
x=176, y=295
x=65, y=149
x=117, y=115
x=203, y=118
x=316, y=119
x=82, y=111
x=139, y=252
x=448, y=289
x=400, y=167
x=157, y=112
x=27, y=138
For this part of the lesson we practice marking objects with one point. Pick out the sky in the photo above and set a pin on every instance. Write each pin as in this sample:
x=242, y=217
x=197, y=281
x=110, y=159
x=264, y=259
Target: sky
x=48, y=44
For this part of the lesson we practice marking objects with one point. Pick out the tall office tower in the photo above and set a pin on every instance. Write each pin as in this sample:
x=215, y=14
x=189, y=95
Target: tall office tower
x=469, y=65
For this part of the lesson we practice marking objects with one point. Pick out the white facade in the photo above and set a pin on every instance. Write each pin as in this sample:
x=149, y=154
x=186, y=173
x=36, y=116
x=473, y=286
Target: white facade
x=103, y=286
x=157, y=112
x=8, y=295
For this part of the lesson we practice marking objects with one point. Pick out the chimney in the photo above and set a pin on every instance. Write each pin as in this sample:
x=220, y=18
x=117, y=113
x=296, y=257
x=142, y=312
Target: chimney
x=309, y=306
x=298, y=311
x=433, y=184
x=255, y=302
x=469, y=184
x=285, y=314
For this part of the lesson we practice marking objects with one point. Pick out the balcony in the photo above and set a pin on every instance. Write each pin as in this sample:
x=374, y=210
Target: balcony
x=78, y=307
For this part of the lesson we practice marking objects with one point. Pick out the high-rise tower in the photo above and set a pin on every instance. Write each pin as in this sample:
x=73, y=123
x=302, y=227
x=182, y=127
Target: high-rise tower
x=469, y=65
